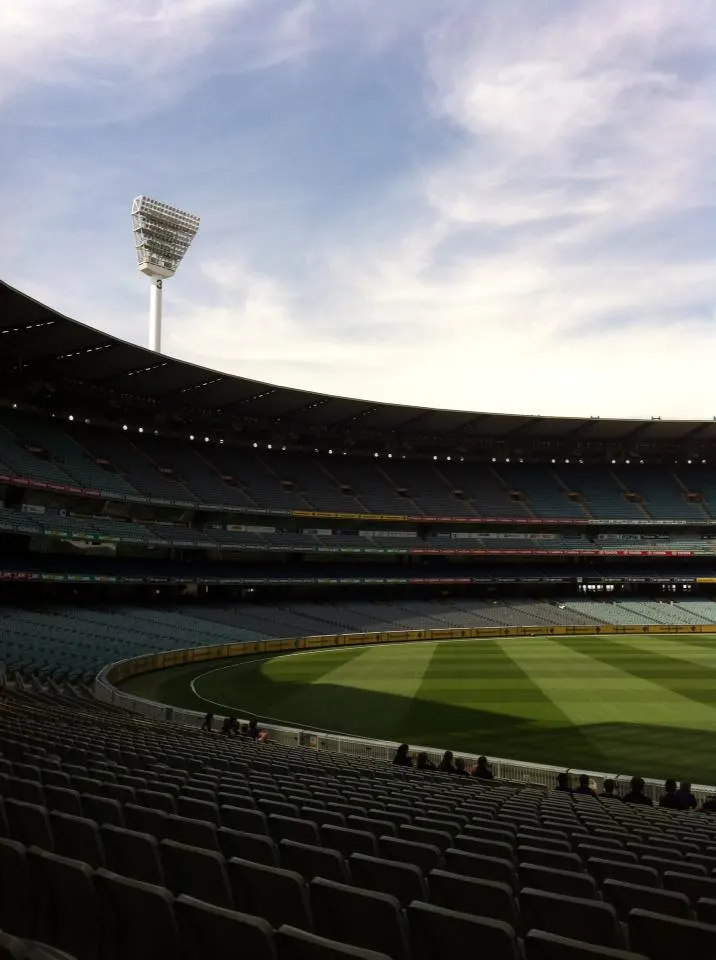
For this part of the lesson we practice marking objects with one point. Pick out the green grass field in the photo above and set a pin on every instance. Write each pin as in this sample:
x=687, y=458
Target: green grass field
x=629, y=705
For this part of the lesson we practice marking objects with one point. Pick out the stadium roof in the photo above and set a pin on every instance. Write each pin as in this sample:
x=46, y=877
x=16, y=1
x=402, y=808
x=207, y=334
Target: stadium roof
x=43, y=353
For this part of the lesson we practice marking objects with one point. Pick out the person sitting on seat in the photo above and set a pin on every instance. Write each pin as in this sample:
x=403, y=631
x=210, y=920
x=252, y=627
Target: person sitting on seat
x=669, y=798
x=636, y=794
x=686, y=799
x=584, y=788
x=208, y=723
x=230, y=727
x=482, y=770
x=402, y=758
x=447, y=764
x=609, y=791
x=460, y=768
x=563, y=783
x=422, y=762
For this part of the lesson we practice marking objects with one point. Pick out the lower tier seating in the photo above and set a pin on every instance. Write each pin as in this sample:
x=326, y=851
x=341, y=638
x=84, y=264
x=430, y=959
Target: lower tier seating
x=128, y=838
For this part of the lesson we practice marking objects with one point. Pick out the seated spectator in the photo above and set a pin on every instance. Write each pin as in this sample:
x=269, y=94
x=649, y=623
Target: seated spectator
x=253, y=732
x=460, y=768
x=584, y=788
x=685, y=798
x=446, y=764
x=208, y=723
x=609, y=793
x=482, y=770
x=402, y=757
x=230, y=727
x=563, y=783
x=668, y=798
x=636, y=794
x=422, y=762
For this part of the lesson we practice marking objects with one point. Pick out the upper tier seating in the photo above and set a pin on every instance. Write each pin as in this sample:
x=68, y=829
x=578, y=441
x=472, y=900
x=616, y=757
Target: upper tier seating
x=64, y=450
x=662, y=491
x=150, y=841
x=425, y=485
x=604, y=497
x=74, y=643
x=544, y=491
x=126, y=463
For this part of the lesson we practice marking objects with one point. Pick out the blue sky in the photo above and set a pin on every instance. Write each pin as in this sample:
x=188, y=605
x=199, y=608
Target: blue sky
x=464, y=203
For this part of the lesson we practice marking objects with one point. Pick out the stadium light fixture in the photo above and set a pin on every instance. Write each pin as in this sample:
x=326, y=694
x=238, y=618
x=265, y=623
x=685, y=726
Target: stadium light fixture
x=162, y=236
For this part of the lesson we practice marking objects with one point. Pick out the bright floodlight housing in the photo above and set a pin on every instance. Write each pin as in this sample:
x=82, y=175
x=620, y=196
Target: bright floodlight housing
x=162, y=236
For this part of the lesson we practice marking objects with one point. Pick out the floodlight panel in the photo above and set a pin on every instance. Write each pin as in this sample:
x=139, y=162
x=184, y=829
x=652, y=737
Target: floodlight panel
x=162, y=236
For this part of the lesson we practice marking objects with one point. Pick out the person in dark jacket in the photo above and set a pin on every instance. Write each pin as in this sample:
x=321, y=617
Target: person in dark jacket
x=402, y=757
x=584, y=789
x=422, y=762
x=563, y=783
x=636, y=794
x=208, y=723
x=482, y=770
x=609, y=791
x=685, y=798
x=668, y=798
x=460, y=768
x=447, y=764
x=230, y=727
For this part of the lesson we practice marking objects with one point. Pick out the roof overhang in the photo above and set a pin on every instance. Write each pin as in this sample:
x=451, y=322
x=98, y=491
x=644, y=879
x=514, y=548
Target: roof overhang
x=45, y=354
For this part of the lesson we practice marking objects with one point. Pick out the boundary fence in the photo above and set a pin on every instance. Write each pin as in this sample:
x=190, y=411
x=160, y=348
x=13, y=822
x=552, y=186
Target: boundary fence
x=106, y=690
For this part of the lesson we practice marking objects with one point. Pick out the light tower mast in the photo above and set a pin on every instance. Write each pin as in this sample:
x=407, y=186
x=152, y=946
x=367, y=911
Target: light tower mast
x=162, y=236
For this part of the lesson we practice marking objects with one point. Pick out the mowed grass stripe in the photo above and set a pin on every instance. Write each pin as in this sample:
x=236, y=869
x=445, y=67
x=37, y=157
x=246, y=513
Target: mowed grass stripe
x=482, y=673
x=684, y=650
x=372, y=690
x=594, y=682
x=681, y=668
x=476, y=698
x=700, y=641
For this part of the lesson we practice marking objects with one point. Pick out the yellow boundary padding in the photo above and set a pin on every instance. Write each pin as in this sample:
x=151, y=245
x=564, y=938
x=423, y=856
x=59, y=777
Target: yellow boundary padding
x=176, y=658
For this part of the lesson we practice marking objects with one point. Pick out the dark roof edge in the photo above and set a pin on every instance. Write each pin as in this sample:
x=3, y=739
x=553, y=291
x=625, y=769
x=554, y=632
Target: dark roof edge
x=400, y=416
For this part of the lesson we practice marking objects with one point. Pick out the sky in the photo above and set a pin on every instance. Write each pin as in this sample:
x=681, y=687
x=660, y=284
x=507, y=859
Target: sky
x=471, y=204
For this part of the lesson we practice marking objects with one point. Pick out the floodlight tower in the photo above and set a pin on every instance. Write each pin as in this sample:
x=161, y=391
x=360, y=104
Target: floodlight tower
x=162, y=235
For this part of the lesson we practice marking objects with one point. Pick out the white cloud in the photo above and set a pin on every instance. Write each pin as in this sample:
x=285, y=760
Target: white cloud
x=130, y=58
x=546, y=245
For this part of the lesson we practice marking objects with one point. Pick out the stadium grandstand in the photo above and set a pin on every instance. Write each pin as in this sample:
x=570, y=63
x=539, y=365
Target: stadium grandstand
x=182, y=551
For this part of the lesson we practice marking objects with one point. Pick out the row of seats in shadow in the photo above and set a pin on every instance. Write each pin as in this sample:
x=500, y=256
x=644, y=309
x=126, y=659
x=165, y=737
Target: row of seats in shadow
x=357, y=890
x=268, y=912
x=186, y=814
